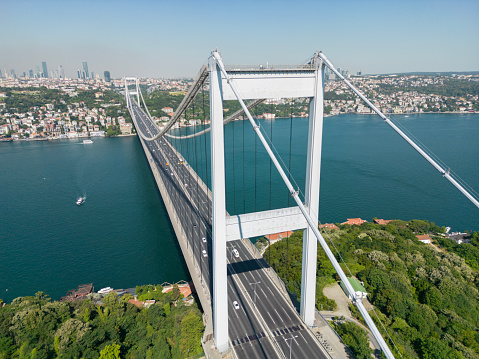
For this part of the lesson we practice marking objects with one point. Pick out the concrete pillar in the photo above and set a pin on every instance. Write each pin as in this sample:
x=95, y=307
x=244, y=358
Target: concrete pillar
x=313, y=170
x=220, y=288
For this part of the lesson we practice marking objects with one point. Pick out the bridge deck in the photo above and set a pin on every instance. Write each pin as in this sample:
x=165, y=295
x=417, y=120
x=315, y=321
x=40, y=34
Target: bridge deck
x=265, y=317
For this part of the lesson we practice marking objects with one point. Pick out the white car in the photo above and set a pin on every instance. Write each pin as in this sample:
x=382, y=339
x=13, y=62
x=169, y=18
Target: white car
x=236, y=253
x=203, y=239
x=236, y=305
x=204, y=253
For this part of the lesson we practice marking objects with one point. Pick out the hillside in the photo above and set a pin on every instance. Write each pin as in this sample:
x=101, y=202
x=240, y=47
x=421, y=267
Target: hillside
x=427, y=296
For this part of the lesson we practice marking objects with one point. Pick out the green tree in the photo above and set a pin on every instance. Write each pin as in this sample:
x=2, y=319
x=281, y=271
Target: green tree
x=191, y=333
x=356, y=339
x=111, y=351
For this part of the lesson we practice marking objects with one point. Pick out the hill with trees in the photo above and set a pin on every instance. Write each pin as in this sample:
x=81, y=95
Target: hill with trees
x=426, y=296
x=110, y=327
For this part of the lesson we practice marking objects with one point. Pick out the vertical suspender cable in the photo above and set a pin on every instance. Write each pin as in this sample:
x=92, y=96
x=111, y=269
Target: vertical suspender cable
x=290, y=141
x=206, y=157
x=244, y=189
x=234, y=176
x=270, y=162
x=255, y=157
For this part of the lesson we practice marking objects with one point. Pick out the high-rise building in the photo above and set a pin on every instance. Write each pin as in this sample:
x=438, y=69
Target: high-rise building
x=12, y=73
x=30, y=73
x=359, y=73
x=39, y=74
x=106, y=74
x=85, y=68
x=92, y=75
x=44, y=67
x=61, y=72
x=78, y=73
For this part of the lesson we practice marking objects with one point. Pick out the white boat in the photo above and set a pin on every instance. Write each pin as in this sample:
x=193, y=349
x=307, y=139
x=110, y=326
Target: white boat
x=87, y=142
x=105, y=290
x=80, y=200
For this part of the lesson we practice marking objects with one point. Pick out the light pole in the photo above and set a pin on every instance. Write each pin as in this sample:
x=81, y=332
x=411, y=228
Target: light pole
x=290, y=344
x=255, y=295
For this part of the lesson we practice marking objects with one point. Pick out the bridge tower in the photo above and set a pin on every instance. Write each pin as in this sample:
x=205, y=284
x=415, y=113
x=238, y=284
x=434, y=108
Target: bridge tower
x=131, y=81
x=259, y=83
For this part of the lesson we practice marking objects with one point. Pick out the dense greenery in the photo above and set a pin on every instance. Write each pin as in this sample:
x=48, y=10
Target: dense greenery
x=355, y=338
x=36, y=327
x=23, y=100
x=427, y=296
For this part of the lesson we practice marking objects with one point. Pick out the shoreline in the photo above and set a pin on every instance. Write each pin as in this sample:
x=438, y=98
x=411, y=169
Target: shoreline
x=40, y=139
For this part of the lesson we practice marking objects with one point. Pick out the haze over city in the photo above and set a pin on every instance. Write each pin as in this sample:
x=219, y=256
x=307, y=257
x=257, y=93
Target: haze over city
x=173, y=39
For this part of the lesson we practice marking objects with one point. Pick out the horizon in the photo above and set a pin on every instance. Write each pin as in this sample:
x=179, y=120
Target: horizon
x=171, y=40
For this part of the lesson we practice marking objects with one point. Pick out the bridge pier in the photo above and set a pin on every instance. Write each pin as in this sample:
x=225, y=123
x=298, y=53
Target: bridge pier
x=220, y=289
x=313, y=171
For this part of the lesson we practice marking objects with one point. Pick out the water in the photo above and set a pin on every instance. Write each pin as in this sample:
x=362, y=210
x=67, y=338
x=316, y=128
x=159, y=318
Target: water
x=122, y=237
x=368, y=170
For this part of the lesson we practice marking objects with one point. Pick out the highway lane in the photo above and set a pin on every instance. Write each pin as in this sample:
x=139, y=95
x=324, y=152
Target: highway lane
x=243, y=325
x=249, y=337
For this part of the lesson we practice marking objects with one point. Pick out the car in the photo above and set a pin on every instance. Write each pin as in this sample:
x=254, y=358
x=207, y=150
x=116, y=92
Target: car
x=204, y=253
x=203, y=239
x=236, y=253
x=236, y=305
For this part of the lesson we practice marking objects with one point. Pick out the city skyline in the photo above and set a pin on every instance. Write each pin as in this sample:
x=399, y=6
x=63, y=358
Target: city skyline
x=173, y=40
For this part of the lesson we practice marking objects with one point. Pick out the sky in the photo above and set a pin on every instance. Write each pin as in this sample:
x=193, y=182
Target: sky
x=174, y=38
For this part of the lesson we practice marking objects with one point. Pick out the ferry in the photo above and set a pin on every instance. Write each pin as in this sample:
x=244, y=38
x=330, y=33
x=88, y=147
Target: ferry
x=80, y=201
x=105, y=290
x=85, y=142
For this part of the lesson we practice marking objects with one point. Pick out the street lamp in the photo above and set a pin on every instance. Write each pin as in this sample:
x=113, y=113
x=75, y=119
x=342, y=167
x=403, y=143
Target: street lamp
x=255, y=295
x=291, y=344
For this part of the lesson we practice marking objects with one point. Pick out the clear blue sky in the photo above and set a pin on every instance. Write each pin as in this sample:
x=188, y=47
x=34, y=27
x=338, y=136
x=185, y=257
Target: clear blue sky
x=173, y=38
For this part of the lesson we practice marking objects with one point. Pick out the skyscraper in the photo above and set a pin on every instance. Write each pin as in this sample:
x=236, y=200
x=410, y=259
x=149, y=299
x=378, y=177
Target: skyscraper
x=30, y=73
x=61, y=72
x=44, y=67
x=85, y=68
x=106, y=74
x=78, y=73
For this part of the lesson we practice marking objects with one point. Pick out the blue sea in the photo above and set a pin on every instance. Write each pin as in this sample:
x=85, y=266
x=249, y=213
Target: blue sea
x=121, y=236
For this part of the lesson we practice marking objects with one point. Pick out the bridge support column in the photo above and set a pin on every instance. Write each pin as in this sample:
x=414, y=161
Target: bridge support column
x=313, y=170
x=220, y=288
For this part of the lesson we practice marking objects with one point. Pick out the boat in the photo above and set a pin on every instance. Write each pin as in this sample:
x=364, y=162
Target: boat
x=87, y=142
x=105, y=290
x=80, y=200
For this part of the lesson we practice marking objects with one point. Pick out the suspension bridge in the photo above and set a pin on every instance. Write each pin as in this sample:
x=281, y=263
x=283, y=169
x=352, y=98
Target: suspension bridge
x=247, y=307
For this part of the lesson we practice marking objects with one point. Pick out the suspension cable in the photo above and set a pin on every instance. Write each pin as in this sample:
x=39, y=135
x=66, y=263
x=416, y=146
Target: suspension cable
x=444, y=171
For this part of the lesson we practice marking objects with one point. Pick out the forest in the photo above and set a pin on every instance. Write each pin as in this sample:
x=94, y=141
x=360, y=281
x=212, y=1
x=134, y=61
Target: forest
x=425, y=296
x=35, y=327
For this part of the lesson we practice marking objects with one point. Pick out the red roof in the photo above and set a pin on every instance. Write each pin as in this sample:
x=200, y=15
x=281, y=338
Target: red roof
x=423, y=237
x=354, y=221
x=185, y=290
x=281, y=235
